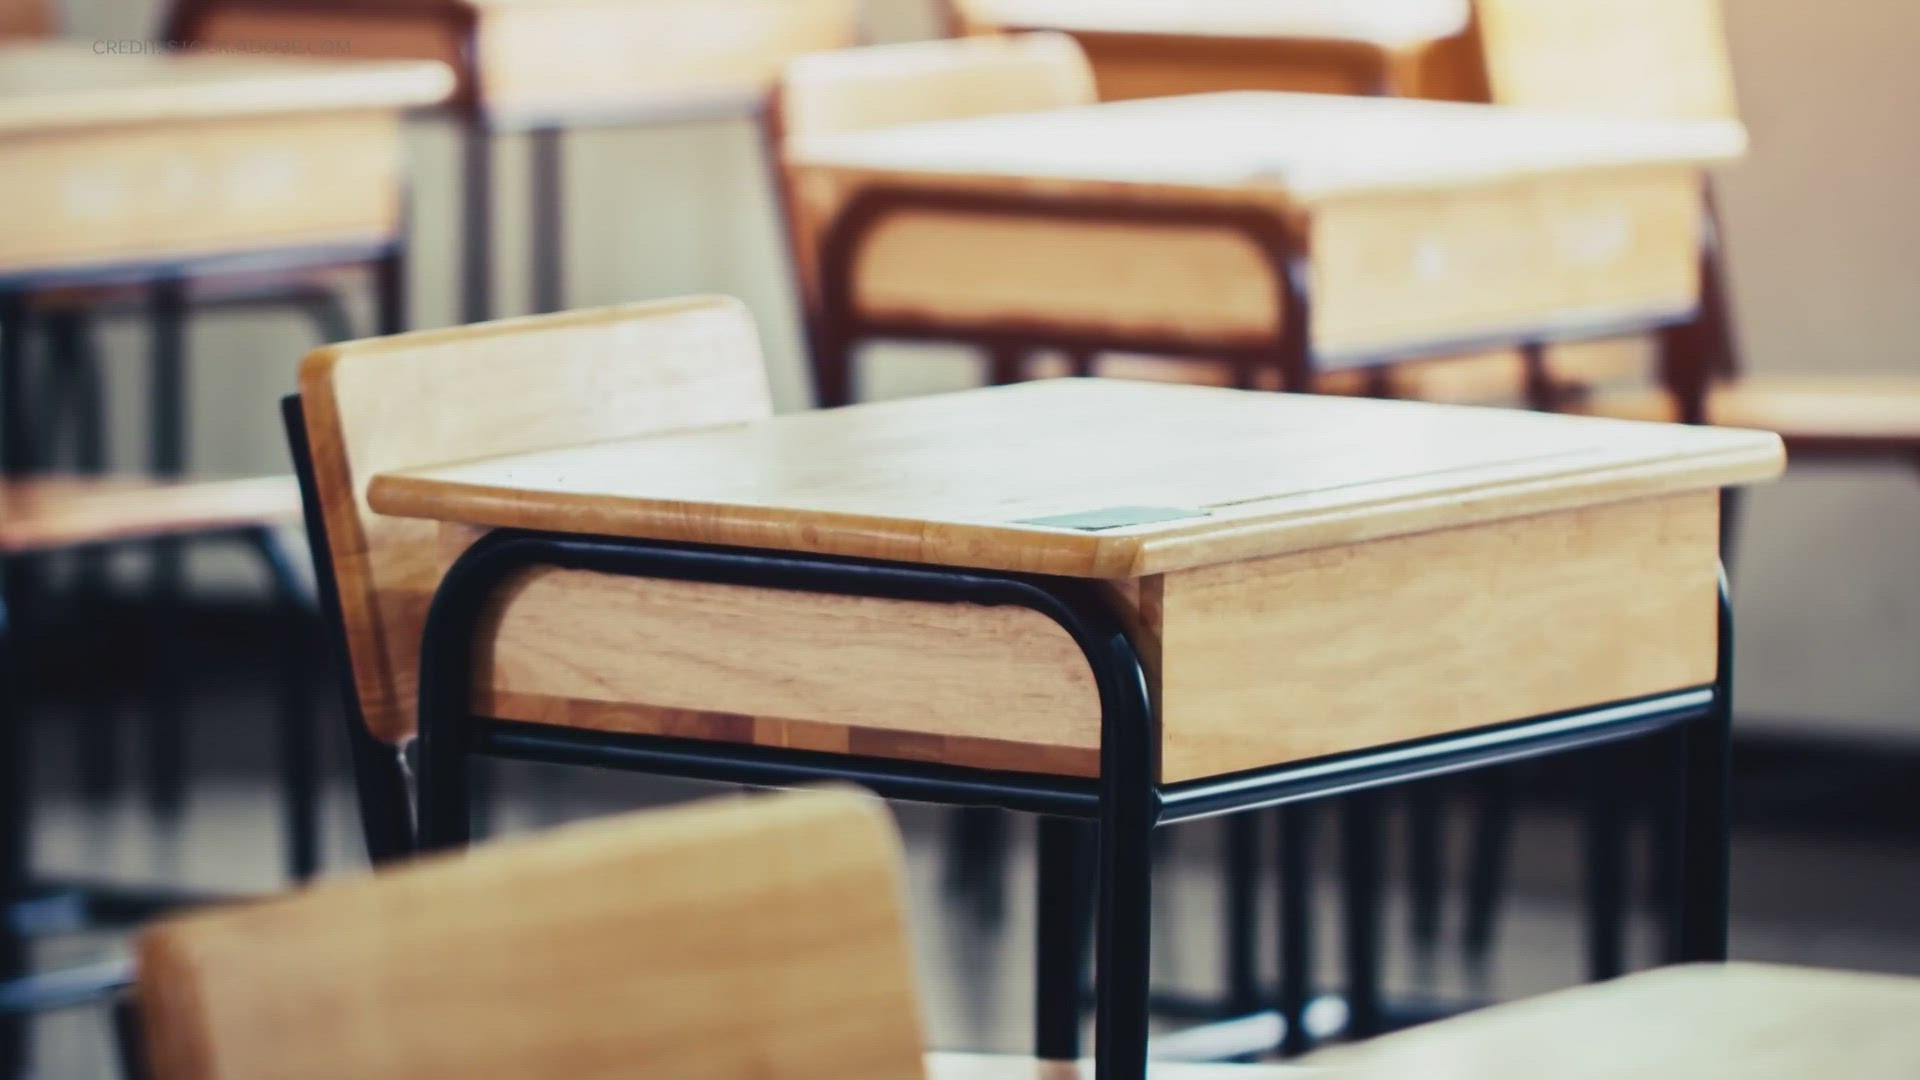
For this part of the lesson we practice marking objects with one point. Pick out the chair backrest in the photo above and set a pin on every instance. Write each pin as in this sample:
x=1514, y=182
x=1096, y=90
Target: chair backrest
x=746, y=938
x=506, y=387
x=26, y=19
x=831, y=93
x=882, y=85
x=1647, y=58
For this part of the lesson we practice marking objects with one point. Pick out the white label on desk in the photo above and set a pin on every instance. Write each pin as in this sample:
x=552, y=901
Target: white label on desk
x=261, y=179
x=1595, y=237
x=1431, y=261
x=93, y=196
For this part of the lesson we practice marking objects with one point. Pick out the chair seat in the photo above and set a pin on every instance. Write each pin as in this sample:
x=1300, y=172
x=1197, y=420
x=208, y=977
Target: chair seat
x=990, y=1067
x=1493, y=378
x=1384, y=23
x=1705, y=1022
x=1853, y=415
x=271, y=286
x=57, y=512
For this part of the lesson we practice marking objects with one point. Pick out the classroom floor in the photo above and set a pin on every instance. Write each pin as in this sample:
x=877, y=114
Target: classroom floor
x=1813, y=899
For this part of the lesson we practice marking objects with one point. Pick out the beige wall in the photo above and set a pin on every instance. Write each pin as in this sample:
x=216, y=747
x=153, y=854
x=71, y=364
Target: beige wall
x=1826, y=258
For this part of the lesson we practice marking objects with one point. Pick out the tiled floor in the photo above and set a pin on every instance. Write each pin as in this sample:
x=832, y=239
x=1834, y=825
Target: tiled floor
x=1846, y=903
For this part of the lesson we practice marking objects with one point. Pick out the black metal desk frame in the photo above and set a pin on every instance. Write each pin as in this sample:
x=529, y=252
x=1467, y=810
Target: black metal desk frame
x=1126, y=801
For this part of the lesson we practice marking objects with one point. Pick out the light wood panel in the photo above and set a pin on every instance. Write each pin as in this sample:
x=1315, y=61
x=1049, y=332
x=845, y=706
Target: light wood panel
x=518, y=385
x=740, y=939
x=59, y=85
x=1157, y=48
x=1494, y=378
x=1863, y=414
x=851, y=90
x=959, y=479
x=1372, y=644
x=988, y=1067
x=1253, y=664
x=1382, y=23
x=1427, y=221
x=123, y=158
x=554, y=58
x=994, y=688
x=1651, y=58
x=178, y=190
x=42, y=514
x=1707, y=1022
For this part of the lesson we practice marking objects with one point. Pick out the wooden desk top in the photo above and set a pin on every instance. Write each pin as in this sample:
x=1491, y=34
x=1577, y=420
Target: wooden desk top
x=1702, y=1022
x=1388, y=24
x=44, y=514
x=55, y=85
x=1305, y=147
x=950, y=1066
x=976, y=478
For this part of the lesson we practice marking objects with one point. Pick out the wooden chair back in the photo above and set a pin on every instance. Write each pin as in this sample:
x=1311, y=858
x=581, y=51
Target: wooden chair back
x=847, y=90
x=883, y=85
x=1647, y=58
x=27, y=19
x=507, y=387
x=745, y=938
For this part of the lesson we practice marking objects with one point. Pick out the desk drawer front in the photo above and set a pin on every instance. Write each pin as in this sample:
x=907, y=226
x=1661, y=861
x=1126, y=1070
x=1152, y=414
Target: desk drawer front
x=1001, y=688
x=1330, y=651
x=1203, y=285
x=186, y=189
x=1439, y=267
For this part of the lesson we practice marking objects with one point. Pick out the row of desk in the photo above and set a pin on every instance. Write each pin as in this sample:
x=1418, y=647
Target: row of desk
x=583, y=538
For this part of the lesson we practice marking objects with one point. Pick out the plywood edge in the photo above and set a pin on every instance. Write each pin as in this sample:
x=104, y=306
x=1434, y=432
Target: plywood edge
x=997, y=687
x=1252, y=530
x=1756, y=457
x=1375, y=644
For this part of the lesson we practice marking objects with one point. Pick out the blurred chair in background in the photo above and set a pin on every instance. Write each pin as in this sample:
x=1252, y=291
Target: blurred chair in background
x=543, y=70
x=1154, y=48
x=143, y=188
x=1720, y=1022
x=43, y=516
x=505, y=387
x=184, y=167
x=757, y=938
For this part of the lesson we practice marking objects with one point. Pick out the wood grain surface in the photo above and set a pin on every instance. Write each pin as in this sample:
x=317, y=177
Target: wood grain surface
x=738, y=939
x=61, y=85
x=515, y=385
x=555, y=58
x=1426, y=221
x=959, y=479
x=1735, y=1021
x=44, y=514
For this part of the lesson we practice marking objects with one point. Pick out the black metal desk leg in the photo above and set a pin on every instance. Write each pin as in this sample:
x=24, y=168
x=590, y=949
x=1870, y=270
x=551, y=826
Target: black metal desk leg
x=1360, y=837
x=1243, y=894
x=386, y=810
x=476, y=227
x=1702, y=923
x=1130, y=804
x=547, y=219
x=1296, y=924
x=390, y=290
x=1491, y=847
x=1060, y=935
x=1426, y=870
x=16, y=410
x=166, y=730
x=299, y=749
x=15, y=845
x=1610, y=770
x=80, y=399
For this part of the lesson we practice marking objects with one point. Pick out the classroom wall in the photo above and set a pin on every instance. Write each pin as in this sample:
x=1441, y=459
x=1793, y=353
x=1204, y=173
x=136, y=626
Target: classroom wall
x=1822, y=228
